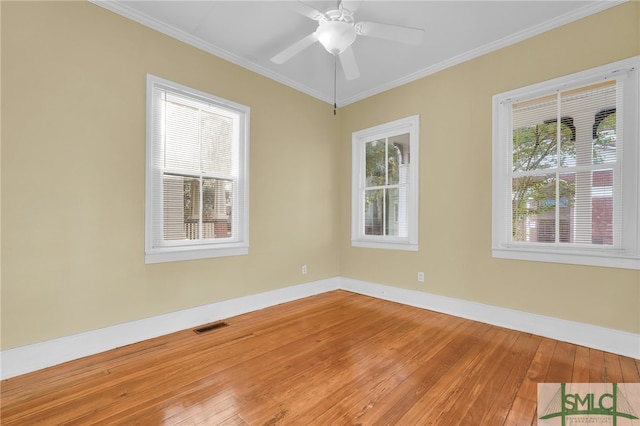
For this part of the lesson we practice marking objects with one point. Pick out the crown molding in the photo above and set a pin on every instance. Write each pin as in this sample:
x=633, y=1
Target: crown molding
x=125, y=11
x=122, y=9
x=590, y=9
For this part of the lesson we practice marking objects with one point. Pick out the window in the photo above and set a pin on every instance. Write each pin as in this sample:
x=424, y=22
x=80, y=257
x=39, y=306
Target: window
x=385, y=186
x=197, y=175
x=565, y=169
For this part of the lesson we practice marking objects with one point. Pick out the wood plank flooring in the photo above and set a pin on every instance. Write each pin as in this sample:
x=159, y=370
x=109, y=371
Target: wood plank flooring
x=334, y=359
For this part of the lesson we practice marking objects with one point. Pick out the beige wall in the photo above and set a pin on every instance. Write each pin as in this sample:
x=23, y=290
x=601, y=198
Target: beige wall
x=455, y=181
x=73, y=140
x=73, y=150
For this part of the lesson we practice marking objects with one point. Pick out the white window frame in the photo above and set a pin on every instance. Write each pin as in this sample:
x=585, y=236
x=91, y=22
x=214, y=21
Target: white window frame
x=165, y=251
x=624, y=254
x=410, y=125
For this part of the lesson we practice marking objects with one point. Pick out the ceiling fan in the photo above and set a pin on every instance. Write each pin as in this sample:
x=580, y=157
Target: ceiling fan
x=337, y=30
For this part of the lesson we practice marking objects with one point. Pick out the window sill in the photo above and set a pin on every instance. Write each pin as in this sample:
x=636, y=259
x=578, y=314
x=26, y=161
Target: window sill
x=384, y=245
x=178, y=254
x=607, y=260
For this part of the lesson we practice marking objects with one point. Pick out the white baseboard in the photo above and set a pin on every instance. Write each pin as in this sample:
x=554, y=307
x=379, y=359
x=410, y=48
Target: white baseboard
x=34, y=357
x=593, y=336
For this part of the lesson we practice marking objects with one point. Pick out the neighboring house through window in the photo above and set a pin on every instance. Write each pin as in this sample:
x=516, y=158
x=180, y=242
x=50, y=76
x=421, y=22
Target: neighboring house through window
x=565, y=169
x=197, y=183
x=385, y=186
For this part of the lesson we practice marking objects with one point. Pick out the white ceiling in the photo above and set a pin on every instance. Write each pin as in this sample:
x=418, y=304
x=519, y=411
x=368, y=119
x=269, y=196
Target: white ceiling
x=250, y=33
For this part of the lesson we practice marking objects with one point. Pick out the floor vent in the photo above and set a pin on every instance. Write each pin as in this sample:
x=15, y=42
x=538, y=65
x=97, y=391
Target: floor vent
x=210, y=327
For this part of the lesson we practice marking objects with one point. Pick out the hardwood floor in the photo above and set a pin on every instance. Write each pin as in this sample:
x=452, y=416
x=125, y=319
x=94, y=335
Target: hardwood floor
x=336, y=358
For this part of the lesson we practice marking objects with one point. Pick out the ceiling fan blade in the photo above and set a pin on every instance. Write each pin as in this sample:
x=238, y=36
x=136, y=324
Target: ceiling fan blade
x=294, y=49
x=306, y=10
x=349, y=64
x=391, y=32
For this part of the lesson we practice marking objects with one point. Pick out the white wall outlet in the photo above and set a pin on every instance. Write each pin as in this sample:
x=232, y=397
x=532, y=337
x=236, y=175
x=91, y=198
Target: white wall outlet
x=304, y=269
x=421, y=277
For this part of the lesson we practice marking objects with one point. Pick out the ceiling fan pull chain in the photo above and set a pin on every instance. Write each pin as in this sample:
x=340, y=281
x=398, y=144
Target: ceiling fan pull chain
x=335, y=81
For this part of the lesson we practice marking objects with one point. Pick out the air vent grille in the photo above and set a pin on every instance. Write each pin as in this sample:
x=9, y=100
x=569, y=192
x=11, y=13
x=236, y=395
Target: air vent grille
x=210, y=327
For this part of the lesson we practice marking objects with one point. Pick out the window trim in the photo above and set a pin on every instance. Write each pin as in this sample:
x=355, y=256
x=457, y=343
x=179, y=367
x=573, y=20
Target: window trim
x=410, y=125
x=199, y=250
x=628, y=256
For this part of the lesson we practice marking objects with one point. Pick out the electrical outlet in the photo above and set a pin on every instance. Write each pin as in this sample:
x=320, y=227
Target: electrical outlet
x=421, y=277
x=304, y=269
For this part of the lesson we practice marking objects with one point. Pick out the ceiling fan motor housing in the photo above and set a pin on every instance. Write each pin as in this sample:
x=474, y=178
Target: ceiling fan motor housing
x=336, y=36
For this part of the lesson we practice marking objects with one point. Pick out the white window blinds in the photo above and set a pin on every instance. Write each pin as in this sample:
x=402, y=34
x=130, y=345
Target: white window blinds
x=565, y=167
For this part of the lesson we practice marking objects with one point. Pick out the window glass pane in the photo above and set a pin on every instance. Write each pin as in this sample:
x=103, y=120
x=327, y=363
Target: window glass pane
x=535, y=147
x=183, y=218
x=179, y=202
x=588, y=105
x=567, y=209
x=216, y=210
x=191, y=193
x=602, y=207
x=374, y=212
x=181, y=137
x=587, y=206
x=216, y=144
x=567, y=141
x=393, y=163
x=534, y=200
x=604, y=138
x=375, y=163
x=534, y=134
x=392, y=212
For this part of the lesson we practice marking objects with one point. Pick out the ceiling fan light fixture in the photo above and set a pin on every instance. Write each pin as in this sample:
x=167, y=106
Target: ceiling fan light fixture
x=336, y=36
